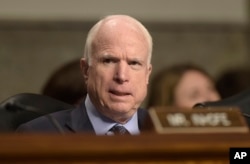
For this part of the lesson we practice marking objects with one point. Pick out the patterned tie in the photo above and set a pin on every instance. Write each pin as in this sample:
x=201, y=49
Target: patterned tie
x=119, y=130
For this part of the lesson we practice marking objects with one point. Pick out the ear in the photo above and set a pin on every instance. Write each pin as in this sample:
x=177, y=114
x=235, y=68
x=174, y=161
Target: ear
x=149, y=72
x=84, y=68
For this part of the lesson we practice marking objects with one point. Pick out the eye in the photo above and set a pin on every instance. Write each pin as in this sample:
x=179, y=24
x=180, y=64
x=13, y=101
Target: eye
x=134, y=63
x=107, y=60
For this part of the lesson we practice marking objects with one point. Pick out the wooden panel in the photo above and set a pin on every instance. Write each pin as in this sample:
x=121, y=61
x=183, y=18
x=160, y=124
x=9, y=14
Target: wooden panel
x=146, y=148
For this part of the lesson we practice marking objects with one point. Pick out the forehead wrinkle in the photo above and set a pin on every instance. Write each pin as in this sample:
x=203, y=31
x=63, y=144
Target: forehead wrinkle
x=115, y=31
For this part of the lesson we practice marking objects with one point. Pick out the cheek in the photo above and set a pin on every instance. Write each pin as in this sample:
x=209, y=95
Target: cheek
x=94, y=78
x=177, y=100
x=100, y=80
x=185, y=103
x=140, y=84
x=215, y=96
x=181, y=100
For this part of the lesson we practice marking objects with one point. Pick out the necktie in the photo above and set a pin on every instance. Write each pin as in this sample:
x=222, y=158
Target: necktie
x=119, y=130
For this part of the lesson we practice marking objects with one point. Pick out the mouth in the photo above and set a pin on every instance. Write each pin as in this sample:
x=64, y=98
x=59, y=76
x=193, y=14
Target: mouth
x=118, y=93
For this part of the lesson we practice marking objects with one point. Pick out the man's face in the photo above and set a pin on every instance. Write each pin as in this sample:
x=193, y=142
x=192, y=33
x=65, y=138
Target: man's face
x=118, y=75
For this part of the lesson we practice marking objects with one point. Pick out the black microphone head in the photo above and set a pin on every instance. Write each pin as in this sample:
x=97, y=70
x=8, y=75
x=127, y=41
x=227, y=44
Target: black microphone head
x=240, y=100
x=200, y=105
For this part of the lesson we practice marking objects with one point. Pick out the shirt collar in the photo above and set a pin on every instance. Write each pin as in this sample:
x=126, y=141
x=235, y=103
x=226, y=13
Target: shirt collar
x=102, y=124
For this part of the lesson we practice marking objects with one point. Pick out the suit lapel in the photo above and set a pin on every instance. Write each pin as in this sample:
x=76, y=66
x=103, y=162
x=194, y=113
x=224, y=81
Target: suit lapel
x=79, y=120
x=144, y=121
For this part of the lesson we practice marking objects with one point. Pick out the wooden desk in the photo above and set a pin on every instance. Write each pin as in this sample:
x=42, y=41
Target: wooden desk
x=146, y=148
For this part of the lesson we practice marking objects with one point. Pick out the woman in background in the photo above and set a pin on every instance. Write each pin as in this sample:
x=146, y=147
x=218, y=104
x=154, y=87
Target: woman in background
x=182, y=86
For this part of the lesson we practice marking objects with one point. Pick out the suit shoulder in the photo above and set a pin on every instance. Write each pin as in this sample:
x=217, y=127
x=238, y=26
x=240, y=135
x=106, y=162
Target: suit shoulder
x=45, y=122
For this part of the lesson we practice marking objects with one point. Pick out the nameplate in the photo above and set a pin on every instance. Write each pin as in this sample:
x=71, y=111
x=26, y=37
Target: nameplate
x=212, y=120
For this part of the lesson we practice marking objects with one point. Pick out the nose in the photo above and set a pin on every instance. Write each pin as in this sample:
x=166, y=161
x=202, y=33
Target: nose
x=121, y=72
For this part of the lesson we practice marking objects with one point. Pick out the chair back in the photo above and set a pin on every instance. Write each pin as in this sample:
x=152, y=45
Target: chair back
x=15, y=110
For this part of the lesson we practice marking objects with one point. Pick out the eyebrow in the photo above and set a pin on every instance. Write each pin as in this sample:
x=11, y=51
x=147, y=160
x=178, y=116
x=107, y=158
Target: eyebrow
x=117, y=58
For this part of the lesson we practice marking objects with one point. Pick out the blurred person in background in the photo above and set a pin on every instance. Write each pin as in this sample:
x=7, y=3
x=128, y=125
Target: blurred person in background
x=182, y=86
x=66, y=84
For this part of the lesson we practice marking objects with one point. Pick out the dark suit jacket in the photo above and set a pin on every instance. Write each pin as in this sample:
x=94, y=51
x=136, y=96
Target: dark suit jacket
x=74, y=120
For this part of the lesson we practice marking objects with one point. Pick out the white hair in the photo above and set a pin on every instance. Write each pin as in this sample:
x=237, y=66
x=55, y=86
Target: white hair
x=93, y=31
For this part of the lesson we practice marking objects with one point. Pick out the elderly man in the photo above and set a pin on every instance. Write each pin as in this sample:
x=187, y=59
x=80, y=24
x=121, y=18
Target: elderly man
x=116, y=67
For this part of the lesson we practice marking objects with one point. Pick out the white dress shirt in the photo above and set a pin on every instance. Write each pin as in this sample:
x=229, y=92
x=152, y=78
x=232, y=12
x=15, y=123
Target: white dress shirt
x=102, y=124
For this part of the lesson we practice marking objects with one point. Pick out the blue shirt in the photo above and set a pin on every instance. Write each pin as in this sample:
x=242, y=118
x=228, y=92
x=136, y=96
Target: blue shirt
x=102, y=124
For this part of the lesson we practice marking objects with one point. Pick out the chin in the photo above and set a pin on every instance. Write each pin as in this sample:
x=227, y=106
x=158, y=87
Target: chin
x=121, y=108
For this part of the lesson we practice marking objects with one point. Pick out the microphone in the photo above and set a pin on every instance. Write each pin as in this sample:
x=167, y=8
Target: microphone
x=16, y=106
x=241, y=100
